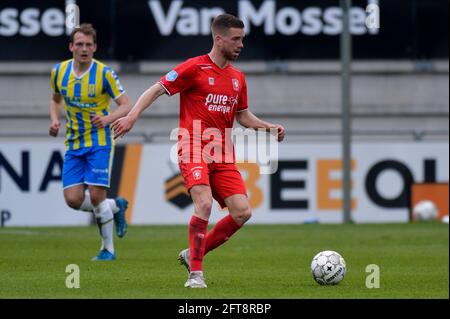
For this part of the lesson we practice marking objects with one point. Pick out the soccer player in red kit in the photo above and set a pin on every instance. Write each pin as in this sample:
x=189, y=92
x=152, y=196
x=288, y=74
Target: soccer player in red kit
x=212, y=94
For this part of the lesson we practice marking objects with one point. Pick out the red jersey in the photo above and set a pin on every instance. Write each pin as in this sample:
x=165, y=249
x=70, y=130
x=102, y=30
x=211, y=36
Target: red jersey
x=209, y=99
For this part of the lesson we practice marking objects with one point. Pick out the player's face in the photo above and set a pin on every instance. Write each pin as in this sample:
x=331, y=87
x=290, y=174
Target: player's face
x=83, y=47
x=232, y=43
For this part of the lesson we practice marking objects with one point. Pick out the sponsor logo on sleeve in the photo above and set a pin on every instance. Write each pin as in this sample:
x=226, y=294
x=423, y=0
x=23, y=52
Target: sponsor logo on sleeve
x=172, y=76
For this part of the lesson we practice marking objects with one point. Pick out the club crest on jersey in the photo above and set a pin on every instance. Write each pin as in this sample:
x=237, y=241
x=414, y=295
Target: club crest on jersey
x=91, y=90
x=171, y=76
x=211, y=81
x=235, y=84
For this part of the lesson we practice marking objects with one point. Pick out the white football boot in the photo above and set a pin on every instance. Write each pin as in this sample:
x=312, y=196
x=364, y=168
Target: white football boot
x=184, y=258
x=196, y=280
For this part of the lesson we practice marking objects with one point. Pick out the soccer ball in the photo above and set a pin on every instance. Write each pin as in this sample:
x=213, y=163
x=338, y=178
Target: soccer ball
x=425, y=210
x=328, y=268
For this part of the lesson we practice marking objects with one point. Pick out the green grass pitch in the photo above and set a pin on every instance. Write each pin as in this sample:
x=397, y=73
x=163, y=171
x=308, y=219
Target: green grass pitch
x=260, y=261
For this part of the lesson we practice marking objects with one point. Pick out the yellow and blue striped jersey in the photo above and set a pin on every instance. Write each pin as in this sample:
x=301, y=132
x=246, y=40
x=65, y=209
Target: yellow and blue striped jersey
x=90, y=93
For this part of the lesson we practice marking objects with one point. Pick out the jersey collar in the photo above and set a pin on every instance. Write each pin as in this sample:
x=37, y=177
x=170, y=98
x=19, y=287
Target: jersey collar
x=216, y=66
x=85, y=72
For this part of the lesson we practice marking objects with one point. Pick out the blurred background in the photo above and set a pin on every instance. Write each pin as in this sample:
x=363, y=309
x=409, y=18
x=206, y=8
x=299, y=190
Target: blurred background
x=399, y=115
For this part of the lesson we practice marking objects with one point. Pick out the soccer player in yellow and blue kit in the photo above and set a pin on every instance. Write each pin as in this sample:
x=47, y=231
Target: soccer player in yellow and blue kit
x=85, y=87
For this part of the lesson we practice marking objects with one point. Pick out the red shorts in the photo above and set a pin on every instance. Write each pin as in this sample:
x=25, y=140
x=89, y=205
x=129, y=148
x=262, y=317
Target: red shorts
x=225, y=180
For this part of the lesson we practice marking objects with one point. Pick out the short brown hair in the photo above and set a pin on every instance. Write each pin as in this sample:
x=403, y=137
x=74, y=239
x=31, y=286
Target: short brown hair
x=86, y=29
x=222, y=23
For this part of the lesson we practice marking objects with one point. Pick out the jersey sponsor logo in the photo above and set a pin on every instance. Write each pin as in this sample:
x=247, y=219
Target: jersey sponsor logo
x=172, y=76
x=76, y=102
x=220, y=102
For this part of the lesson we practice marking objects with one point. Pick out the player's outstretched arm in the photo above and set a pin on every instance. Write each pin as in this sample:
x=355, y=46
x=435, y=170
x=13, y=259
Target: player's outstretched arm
x=55, y=107
x=124, y=107
x=123, y=125
x=249, y=120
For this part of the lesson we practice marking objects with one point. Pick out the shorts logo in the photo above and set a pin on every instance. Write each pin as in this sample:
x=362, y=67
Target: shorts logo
x=197, y=174
x=172, y=76
x=100, y=170
x=211, y=81
x=235, y=84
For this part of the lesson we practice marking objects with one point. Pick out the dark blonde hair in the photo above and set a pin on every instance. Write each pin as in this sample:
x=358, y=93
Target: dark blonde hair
x=86, y=29
x=222, y=23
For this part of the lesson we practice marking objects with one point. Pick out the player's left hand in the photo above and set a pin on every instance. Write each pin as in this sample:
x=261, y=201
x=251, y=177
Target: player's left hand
x=122, y=126
x=281, y=131
x=99, y=121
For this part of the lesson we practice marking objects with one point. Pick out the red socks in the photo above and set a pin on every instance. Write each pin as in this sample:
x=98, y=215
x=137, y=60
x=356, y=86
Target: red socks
x=197, y=236
x=220, y=233
x=201, y=243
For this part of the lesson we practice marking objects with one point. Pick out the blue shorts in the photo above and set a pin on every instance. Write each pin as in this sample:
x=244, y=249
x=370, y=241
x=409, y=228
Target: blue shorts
x=89, y=165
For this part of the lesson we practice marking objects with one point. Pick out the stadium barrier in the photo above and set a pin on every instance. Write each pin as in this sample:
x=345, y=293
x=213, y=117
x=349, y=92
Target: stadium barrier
x=305, y=187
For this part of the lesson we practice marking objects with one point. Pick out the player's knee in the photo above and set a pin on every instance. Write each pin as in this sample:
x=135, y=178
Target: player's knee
x=74, y=201
x=204, y=207
x=242, y=214
x=96, y=199
x=246, y=214
x=97, y=195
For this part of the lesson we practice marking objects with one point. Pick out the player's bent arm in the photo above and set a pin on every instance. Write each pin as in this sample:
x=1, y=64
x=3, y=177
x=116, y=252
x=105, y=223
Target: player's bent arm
x=55, y=109
x=250, y=120
x=146, y=100
x=124, y=107
x=125, y=124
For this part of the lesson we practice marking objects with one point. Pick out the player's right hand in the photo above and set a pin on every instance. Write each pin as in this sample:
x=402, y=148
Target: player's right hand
x=122, y=126
x=54, y=128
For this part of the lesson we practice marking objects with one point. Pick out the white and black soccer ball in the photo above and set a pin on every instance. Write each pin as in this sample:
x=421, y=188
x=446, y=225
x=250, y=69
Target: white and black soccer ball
x=425, y=210
x=328, y=268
